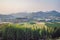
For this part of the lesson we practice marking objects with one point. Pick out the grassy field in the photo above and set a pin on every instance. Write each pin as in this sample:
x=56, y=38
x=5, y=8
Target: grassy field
x=30, y=31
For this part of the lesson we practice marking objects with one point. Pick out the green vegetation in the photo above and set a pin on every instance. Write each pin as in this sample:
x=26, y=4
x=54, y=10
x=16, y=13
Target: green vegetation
x=30, y=31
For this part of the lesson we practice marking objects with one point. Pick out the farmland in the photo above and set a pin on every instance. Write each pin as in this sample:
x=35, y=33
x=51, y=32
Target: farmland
x=30, y=31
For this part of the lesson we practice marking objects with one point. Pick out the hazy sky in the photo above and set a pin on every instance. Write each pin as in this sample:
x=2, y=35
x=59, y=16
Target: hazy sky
x=12, y=6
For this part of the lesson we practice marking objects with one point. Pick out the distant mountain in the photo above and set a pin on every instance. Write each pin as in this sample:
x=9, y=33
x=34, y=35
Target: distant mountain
x=49, y=14
x=21, y=14
x=54, y=13
x=6, y=16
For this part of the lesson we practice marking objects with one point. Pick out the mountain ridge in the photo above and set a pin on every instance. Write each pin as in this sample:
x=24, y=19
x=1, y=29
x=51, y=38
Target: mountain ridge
x=39, y=14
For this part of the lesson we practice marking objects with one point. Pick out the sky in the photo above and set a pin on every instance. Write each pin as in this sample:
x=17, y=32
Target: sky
x=14, y=6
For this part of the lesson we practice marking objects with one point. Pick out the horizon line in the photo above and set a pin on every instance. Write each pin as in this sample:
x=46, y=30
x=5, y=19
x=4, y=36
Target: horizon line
x=29, y=12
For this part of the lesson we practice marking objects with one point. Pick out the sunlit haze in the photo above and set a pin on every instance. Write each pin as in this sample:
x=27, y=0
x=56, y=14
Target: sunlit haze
x=13, y=6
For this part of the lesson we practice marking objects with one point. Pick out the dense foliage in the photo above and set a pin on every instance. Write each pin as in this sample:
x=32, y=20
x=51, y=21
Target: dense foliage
x=28, y=31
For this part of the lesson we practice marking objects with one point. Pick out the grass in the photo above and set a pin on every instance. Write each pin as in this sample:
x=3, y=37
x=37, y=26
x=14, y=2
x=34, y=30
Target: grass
x=30, y=31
